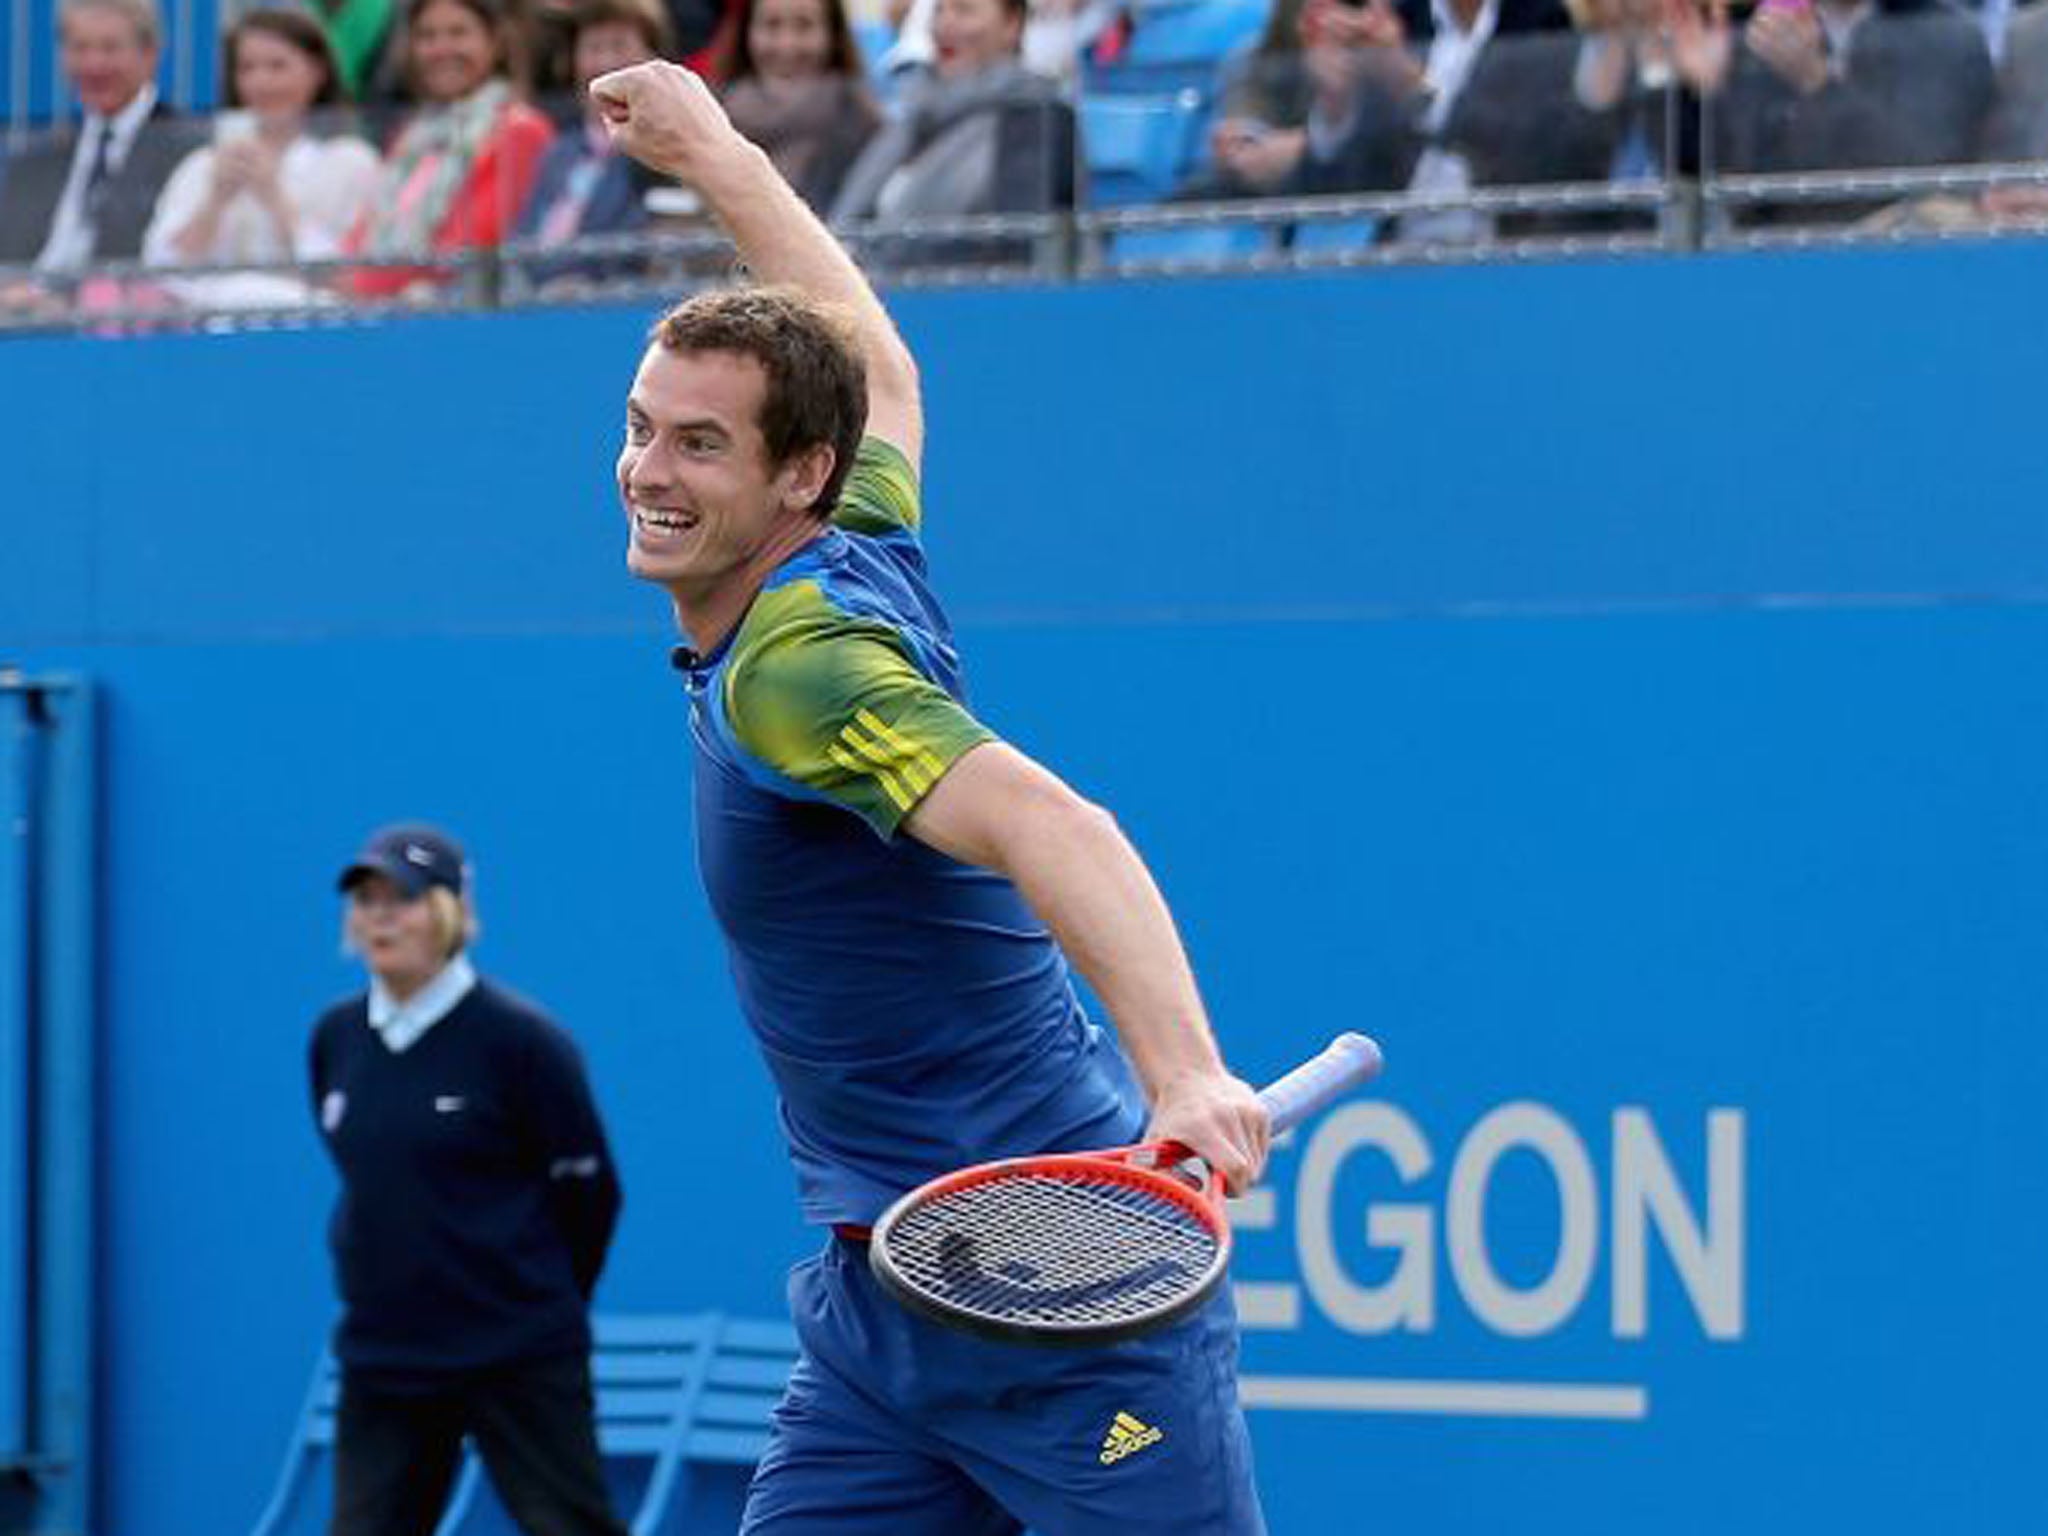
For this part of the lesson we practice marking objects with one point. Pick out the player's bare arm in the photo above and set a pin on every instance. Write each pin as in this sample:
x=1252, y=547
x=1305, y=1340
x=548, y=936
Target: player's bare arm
x=1072, y=863
x=666, y=118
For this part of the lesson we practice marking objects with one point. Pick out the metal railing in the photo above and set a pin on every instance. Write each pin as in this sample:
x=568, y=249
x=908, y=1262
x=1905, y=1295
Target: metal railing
x=1675, y=217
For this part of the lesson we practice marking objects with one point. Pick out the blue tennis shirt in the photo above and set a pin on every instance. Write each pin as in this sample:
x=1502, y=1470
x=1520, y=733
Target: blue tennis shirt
x=914, y=1013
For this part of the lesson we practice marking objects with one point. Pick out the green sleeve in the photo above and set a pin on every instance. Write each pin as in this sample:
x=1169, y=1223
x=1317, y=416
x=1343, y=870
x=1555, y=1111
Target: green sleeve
x=881, y=491
x=836, y=704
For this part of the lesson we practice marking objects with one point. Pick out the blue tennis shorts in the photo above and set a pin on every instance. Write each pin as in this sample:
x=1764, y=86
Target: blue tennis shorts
x=897, y=1426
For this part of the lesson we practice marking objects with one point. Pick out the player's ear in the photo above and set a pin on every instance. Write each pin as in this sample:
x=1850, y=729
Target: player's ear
x=806, y=475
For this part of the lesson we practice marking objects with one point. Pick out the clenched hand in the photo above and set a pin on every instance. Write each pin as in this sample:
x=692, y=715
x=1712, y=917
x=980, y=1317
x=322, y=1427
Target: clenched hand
x=665, y=117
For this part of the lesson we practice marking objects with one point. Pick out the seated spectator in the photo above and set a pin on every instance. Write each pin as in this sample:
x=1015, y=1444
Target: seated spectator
x=86, y=194
x=1838, y=86
x=461, y=167
x=1507, y=109
x=584, y=187
x=1519, y=122
x=1633, y=55
x=1257, y=141
x=1057, y=35
x=979, y=134
x=796, y=86
x=269, y=191
x=1402, y=98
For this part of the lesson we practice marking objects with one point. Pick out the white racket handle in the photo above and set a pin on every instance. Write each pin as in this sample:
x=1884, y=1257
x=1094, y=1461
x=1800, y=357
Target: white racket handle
x=1348, y=1060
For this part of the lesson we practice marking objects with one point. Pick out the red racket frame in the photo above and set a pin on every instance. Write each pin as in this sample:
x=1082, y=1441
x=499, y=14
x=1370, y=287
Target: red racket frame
x=1164, y=1169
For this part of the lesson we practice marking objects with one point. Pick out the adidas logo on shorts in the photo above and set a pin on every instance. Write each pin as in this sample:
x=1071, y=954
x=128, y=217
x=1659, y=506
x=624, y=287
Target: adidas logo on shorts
x=1127, y=1436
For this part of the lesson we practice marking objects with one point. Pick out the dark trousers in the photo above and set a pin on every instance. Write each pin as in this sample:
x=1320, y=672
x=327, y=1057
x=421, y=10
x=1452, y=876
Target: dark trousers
x=396, y=1452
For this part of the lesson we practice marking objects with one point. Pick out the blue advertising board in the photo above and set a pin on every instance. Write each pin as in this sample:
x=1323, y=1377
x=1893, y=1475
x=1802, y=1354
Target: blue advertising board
x=1663, y=787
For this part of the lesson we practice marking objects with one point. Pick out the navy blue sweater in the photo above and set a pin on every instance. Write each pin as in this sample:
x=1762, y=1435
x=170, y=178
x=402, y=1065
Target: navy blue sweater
x=478, y=1195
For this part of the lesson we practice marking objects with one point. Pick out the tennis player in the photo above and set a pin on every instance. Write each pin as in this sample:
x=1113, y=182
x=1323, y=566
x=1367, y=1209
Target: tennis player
x=901, y=893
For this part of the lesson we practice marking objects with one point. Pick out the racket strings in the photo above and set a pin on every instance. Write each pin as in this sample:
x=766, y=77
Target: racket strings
x=1057, y=1251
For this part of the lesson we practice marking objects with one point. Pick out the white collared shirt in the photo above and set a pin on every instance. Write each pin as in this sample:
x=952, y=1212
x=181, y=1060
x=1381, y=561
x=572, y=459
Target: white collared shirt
x=1840, y=22
x=400, y=1024
x=71, y=235
x=1453, y=54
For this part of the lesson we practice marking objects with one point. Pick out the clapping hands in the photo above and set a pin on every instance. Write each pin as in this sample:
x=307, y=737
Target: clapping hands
x=1260, y=156
x=1345, y=45
x=244, y=165
x=1787, y=37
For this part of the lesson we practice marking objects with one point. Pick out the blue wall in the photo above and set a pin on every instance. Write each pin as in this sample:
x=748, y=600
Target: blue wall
x=1615, y=686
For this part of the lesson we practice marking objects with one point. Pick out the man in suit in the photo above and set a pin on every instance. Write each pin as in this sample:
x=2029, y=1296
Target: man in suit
x=1842, y=85
x=1833, y=85
x=86, y=193
x=1394, y=84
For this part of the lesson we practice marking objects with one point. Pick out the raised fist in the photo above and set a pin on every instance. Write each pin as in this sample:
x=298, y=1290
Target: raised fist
x=664, y=116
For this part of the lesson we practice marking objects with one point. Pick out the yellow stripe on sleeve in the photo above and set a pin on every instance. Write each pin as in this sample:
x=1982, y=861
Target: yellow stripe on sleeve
x=919, y=778
x=908, y=748
x=881, y=774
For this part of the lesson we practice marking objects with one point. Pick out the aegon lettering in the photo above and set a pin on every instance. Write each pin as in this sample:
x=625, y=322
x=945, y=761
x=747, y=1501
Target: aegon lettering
x=1644, y=1195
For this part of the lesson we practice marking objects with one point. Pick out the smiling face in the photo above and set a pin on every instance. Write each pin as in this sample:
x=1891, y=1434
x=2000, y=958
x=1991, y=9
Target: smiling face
x=707, y=515
x=106, y=57
x=453, y=51
x=970, y=35
x=274, y=79
x=789, y=39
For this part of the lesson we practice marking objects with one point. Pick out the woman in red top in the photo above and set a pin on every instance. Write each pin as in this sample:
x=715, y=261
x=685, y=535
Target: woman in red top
x=461, y=166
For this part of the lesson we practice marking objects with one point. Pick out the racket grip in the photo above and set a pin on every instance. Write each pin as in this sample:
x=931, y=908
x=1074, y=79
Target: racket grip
x=1347, y=1061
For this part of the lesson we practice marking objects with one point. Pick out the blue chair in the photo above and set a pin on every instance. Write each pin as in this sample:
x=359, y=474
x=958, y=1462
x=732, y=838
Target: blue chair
x=1175, y=63
x=1217, y=244
x=1179, y=44
x=1139, y=147
x=875, y=37
x=673, y=1391
x=1321, y=236
x=1172, y=32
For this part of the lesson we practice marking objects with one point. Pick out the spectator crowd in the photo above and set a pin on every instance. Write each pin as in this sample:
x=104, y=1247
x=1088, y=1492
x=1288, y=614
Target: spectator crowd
x=364, y=146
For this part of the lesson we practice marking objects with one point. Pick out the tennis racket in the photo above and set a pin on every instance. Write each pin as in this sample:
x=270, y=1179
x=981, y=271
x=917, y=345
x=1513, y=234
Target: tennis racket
x=1083, y=1247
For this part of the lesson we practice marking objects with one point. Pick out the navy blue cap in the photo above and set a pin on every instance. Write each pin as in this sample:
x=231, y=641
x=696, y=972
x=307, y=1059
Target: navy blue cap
x=415, y=856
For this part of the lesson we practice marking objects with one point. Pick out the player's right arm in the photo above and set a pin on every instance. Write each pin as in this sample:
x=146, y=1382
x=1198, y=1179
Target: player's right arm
x=666, y=118
x=1073, y=865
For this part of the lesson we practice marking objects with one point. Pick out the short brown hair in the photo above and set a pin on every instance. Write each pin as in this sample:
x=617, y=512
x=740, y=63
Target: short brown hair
x=291, y=27
x=649, y=17
x=817, y=384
